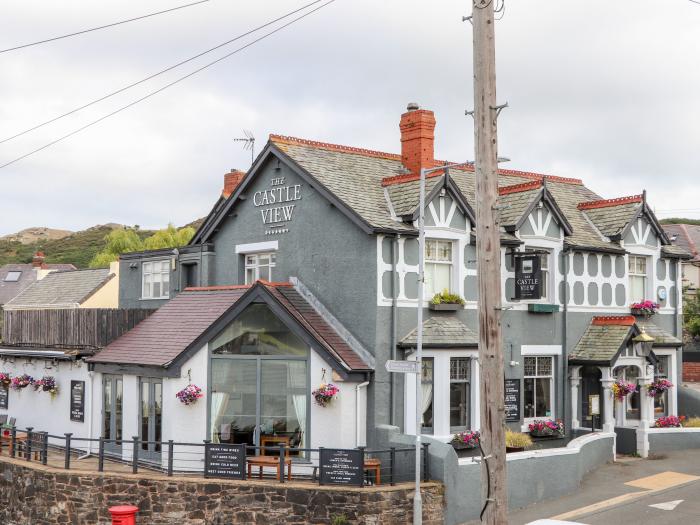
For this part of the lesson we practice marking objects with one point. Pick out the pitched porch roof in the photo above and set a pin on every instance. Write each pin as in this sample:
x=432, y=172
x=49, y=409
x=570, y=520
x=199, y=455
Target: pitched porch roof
x=603, y=340
x=183, y=325
x=442, y=331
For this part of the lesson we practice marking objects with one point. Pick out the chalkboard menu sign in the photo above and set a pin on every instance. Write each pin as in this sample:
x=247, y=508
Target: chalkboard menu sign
x=4, y=394
x=512, y=400
x=77, y=401
x=223, y=460
x=341, y=467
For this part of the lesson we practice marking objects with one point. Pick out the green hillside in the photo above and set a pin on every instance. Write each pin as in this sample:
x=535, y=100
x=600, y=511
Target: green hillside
x=78, y=248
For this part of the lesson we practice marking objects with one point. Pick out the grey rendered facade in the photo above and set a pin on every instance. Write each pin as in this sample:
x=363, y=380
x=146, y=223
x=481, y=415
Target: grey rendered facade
x=347, y=232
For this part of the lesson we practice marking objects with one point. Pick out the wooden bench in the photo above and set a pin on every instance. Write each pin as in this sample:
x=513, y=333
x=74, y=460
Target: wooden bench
x=21, y=440
x=269, y=461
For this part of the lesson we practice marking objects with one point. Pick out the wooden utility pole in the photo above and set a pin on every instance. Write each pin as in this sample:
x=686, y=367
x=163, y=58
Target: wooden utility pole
x=488, y=249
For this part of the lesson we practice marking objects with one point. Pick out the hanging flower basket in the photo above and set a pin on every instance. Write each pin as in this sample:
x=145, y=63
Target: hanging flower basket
x=658, y=387
x=546, y=428
x=5, y=379
x=646, y=308
x=669, y=422
x=23, y=381
x=325, y=393
x=621, y=389
x=468, y=439
x=190, y=394
x=47, y=384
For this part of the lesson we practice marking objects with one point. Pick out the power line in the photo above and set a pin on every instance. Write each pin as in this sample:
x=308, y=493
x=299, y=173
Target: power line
x=150, y=77
x=152, y=93
x=100, y=27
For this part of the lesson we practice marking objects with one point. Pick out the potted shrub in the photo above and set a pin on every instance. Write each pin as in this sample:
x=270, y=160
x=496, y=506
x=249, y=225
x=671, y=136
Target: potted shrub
x=622, y=389
x=646, y=308
x=669, y=422
x=517, y=441
x=446, y=301
x=546, y=428
x=468, y=439
x=658, y=387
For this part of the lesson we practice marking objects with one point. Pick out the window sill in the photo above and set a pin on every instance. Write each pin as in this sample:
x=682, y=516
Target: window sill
x=445, y=307
x=542, y=308
x=154, y=298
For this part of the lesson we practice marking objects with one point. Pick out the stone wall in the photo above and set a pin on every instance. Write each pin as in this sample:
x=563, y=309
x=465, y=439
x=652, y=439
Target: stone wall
x=47, y=496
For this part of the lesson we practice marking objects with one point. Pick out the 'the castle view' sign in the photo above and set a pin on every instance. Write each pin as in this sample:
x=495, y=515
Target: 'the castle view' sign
x=277, y=212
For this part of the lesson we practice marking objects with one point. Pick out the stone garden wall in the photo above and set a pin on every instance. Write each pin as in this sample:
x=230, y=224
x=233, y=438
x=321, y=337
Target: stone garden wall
x=31, y=493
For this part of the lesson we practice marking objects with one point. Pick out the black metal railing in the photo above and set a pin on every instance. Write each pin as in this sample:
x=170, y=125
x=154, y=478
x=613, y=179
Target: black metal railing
x=359, y=466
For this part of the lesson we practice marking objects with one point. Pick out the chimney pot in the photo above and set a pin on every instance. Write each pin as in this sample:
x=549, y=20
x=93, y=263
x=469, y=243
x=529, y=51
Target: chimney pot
x=412, y=106
x=38, y=259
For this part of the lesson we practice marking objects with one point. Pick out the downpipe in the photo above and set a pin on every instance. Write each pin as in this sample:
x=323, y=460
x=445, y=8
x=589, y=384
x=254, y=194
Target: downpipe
x=91, y=375
x=357, y=411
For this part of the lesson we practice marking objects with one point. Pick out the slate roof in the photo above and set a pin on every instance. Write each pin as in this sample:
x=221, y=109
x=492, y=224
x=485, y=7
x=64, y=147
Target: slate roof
x=601, y=343
x=661, y=336
x=442, y=331
x=179, y=323
x=62, y=289
x=10, y=289
x=687, y=237
x=612, y=220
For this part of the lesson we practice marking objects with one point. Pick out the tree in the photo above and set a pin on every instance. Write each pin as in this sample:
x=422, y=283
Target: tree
x=127, y=240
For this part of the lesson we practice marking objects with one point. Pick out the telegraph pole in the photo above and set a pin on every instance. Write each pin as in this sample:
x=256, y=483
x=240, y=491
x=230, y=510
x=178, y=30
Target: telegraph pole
x=493, y=468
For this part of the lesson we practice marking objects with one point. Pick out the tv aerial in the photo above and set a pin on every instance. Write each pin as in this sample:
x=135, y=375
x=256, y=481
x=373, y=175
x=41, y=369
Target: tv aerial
x=248, y=143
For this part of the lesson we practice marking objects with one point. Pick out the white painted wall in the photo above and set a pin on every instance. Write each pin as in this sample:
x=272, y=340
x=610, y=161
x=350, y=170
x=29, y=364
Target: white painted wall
x=36, y=408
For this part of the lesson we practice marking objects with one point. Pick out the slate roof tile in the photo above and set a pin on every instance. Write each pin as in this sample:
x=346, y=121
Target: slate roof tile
x=444, y=331
x=61, y=288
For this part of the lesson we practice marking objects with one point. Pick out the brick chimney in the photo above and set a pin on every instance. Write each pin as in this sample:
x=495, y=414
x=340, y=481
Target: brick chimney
x=38, y=260
x=231, y=182
x=417, y=138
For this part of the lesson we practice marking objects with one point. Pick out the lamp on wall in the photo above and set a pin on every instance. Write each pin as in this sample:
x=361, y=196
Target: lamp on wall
x=643, y=344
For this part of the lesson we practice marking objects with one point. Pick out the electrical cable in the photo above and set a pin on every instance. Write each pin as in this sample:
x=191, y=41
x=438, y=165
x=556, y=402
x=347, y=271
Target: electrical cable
x=488, y=482
x=100, y=27
x=150, y=77
x=152, y=93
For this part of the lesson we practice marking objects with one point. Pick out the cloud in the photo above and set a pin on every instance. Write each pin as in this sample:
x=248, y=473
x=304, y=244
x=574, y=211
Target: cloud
x=605, y=92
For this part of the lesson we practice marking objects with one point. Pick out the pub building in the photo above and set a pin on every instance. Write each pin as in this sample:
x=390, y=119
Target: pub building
x=305, y=273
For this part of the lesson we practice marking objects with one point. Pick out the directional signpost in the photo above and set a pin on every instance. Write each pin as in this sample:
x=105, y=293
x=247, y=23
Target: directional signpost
x=402, y=367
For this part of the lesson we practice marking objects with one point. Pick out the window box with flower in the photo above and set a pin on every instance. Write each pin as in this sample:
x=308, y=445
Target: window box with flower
x=546, y=428
x=645, y=308
x=446, y=301
x=669, y=422
x=465, y=440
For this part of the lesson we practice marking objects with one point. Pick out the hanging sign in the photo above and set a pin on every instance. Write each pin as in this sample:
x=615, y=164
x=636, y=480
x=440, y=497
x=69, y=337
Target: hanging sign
x=77, y=401
x=4, y=395
x=276, y=205
x=341, y=467
x=528, y=277
x=512, y=400
x=223, y=460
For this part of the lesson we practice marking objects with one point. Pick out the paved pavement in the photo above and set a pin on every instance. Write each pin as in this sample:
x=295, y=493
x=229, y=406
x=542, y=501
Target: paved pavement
x=621, y=493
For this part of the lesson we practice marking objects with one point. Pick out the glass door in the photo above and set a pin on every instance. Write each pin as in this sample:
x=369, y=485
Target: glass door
x=112, y=394
x=150, y=430
x=283, y=404
x=234, y=401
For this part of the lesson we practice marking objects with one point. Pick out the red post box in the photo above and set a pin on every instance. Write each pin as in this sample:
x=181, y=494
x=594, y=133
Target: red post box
x=123, y=514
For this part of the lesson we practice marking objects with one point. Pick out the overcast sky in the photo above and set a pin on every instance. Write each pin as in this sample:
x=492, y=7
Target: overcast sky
x=605, y=91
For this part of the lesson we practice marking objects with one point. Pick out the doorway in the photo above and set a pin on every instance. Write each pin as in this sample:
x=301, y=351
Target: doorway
x=151, y=418
x=112, y=395
x=591, y=386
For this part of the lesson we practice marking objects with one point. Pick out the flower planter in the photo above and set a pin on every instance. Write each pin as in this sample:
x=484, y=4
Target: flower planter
x=445, y=307
x=514, y=449
x=462, y=446
x=638, y=312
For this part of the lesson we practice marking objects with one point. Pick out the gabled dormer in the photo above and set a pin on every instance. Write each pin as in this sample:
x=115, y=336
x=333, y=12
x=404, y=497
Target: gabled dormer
x=531, y=210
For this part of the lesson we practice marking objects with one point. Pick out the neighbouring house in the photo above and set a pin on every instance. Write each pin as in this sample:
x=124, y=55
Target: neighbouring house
x=92, y=288
x=14, y=278
x=687, y=236
x=305, y=272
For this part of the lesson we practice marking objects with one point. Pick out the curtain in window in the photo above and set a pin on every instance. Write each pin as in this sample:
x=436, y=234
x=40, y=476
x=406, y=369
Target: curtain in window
x=427, y=389
x=297, y=382
x=219, y=402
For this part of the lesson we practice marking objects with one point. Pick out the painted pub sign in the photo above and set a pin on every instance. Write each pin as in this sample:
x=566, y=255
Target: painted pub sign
x=277, y=204
x=528, y=277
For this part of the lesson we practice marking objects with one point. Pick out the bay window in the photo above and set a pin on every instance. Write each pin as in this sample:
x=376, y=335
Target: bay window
x=539, y=386
x=156, y=280
x=438, y=266
x=637, y=271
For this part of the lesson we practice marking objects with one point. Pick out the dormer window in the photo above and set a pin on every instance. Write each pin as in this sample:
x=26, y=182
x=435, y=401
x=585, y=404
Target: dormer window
x=156, y=280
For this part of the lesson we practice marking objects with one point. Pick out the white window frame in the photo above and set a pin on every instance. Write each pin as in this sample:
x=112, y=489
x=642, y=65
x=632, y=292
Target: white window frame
x=637, y=275
x=433, y=263
x=252, y=264
x=148, y=268
x=552, y=387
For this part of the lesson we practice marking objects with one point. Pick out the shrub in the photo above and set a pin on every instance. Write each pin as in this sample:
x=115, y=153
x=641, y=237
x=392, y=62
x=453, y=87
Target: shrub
x=445, y=297
x=517, y=440
x=692, y=422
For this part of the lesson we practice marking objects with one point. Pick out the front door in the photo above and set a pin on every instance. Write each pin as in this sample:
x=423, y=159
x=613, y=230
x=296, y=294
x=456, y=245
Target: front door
x=112, y=394
x=150, y=430
x=591, y=386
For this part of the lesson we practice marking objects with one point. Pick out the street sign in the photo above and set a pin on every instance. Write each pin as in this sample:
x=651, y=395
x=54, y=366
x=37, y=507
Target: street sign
x=402, y=367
